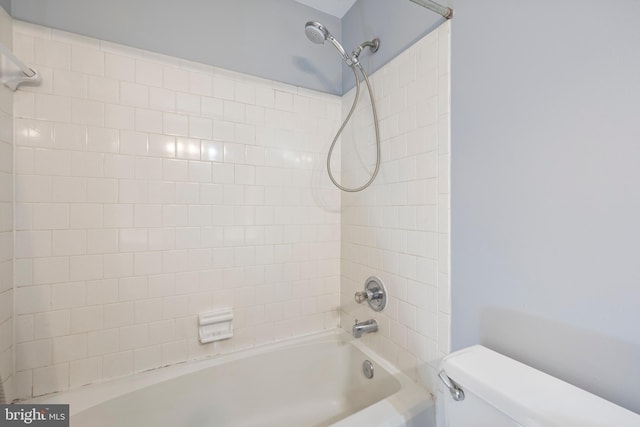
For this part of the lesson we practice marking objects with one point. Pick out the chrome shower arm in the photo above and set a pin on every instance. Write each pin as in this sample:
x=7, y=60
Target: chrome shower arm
x=373, y=45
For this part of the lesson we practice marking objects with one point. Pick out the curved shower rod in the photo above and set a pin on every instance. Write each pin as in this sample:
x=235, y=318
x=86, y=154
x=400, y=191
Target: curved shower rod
x=447, y=12
x=28, y=74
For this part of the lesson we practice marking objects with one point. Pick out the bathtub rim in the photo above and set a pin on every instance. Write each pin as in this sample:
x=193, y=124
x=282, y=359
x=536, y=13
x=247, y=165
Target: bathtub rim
x=408, y=399
x=89, y=395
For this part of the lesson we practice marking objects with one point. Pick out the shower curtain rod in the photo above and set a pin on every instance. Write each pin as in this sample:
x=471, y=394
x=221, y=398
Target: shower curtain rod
x=30, y=75
x=447, y=12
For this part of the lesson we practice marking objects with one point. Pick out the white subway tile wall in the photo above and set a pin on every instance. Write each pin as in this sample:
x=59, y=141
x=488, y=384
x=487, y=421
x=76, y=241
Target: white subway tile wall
x=398, y=229
x=6, y=216
x=149, y=189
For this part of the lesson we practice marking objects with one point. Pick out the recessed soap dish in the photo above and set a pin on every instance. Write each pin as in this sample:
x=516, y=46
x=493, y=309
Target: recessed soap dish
x=215, y=325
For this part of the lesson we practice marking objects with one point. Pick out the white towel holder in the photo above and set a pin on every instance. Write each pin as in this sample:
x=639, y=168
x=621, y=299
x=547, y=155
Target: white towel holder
x=25, y=75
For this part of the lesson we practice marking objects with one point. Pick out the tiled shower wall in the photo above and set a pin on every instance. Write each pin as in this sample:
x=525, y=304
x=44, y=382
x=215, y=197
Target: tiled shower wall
x=398, y=229
x=6, y=216
x=149, y=189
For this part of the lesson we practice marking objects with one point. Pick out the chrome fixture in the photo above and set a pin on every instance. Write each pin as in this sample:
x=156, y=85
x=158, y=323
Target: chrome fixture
x=457, y=393
x=447, y=12
x=367, y=369
x=366, y=327
x=374, y=294
x=373, y=46
x=26, y=75
x=318, y=33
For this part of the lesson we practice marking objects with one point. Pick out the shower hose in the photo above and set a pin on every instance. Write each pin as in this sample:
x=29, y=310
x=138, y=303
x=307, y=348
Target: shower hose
x=375, y=124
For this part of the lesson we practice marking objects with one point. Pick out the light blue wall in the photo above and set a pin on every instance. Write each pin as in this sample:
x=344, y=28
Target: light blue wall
x=260, y=37
x=398, y=25
x=546, y=187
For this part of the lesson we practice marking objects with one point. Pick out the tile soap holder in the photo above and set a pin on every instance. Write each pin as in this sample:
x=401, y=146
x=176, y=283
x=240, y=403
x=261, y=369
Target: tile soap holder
x=215, y=325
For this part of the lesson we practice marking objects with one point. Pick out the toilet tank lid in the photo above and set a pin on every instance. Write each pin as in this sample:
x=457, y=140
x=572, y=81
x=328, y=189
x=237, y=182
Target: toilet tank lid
x=531, y=397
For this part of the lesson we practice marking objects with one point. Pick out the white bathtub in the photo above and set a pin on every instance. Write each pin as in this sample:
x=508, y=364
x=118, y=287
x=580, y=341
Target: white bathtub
x=308, y=382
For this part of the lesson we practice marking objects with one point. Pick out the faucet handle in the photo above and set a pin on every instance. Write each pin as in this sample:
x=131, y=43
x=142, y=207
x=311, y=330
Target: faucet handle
x=374, y=294
x=362, y=296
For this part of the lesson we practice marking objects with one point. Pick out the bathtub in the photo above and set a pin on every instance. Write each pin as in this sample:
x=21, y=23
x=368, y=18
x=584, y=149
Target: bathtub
x=314, y=381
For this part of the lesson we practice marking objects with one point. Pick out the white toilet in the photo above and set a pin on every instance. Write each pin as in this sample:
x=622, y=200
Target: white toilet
x=483, y=388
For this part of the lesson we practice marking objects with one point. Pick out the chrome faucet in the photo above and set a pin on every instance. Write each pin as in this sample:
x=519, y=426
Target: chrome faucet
x=365, y=327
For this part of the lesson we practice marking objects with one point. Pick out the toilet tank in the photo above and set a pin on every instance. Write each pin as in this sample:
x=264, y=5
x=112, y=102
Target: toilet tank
x=501, y=392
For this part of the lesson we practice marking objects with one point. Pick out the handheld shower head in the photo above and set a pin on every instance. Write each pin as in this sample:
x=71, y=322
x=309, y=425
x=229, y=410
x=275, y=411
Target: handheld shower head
x=318, y=33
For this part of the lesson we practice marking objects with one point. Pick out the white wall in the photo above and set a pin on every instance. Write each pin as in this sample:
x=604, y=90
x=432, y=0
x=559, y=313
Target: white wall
x=149, y=189
x=6, y=214
x=398, y=229
x=120, y=242
x=545, y=206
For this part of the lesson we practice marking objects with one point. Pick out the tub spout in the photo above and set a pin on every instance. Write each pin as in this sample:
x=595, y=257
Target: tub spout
x=365, y=327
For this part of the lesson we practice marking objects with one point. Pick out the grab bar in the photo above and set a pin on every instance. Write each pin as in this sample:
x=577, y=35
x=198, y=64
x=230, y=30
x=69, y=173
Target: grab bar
x=29, y=74
x=456, y=392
